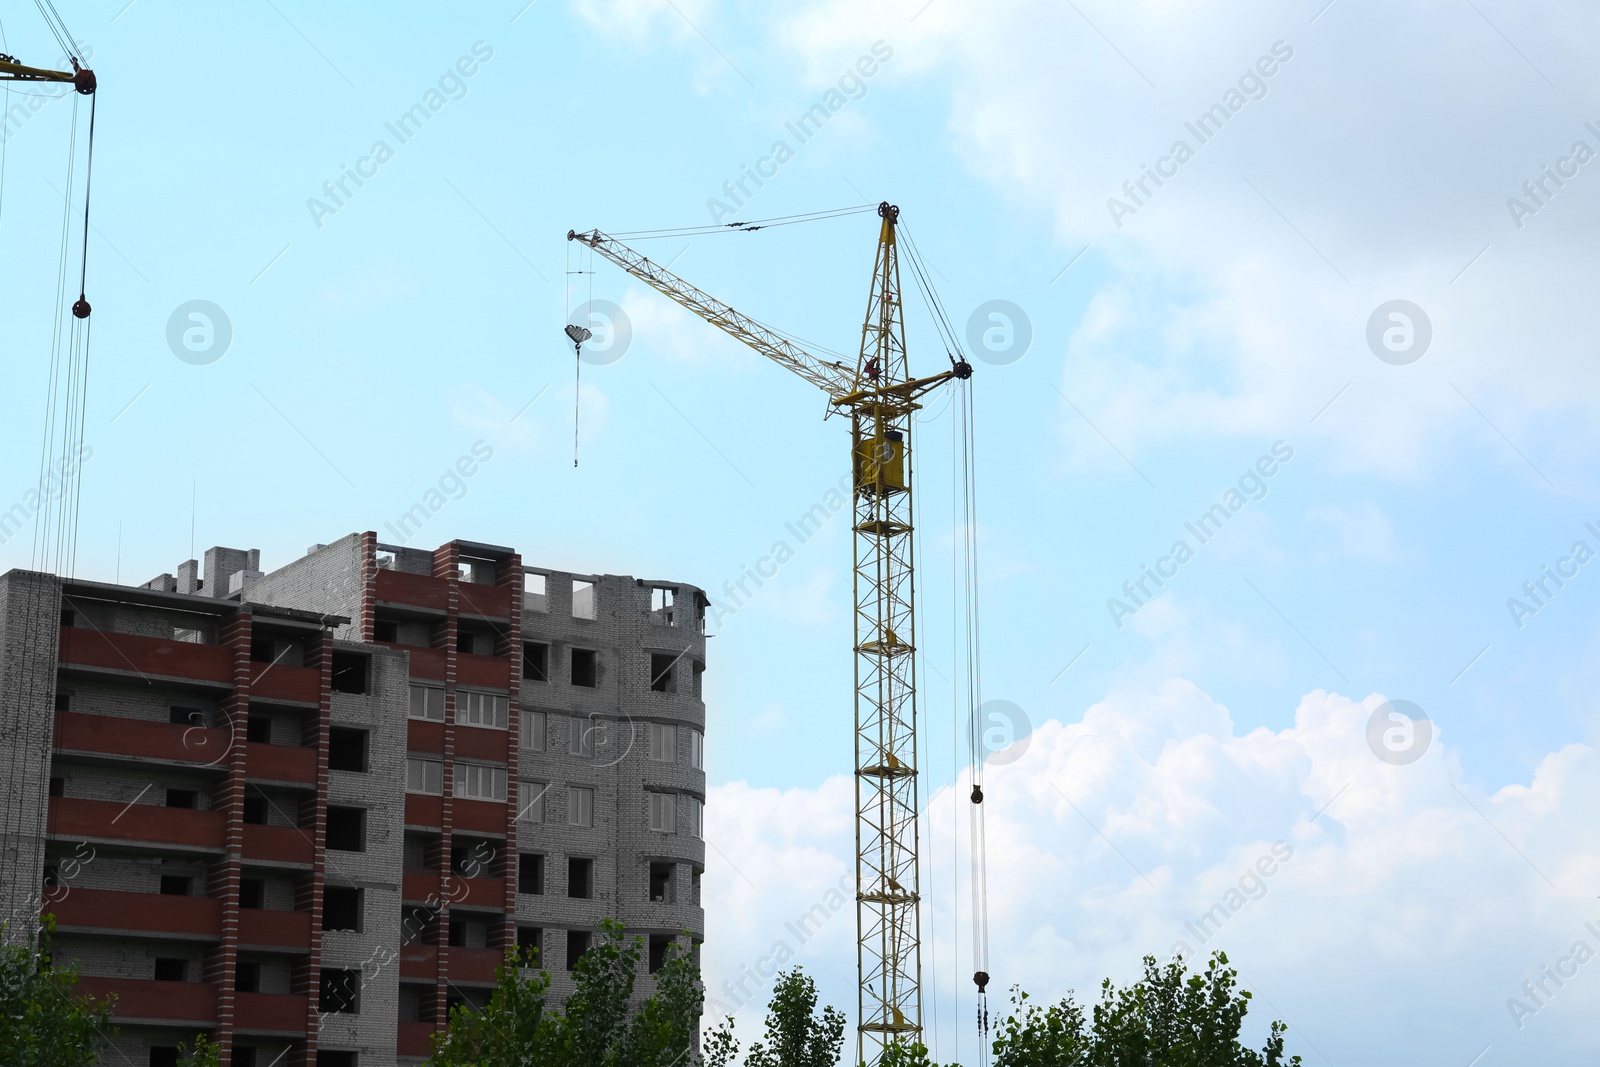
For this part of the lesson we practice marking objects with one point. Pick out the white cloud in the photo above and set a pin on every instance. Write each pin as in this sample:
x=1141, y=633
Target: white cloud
x=1377, y=165
x=1397, y=919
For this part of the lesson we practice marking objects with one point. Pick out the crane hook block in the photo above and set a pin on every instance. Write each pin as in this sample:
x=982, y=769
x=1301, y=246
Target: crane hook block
x=80, y=308
x=982, y=979
x=961, y=369
x=577, y=335
x=83, y=79
x=977, y=794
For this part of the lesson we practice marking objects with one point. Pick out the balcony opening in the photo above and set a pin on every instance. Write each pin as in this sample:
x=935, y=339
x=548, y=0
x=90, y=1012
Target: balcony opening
x=341, y=908
x=661, y=883
x=530, y=874
x=163, y=1056
x=660, y=944
x=69, y=618
x=171, y=970
x=347, y=749
x=479, y=571
x=181, y=798
x=583, y=599
x=662, y=604
x=530, y=939
x=536, y=661
x=413, y=999
x=474, y=859
x=58, y=787
x=338, y=991
x=578, y=942
x=585, y=667
x=258, y=729
x=327, y=1057
x=243, y=1057
x=415, y=851
x=661, y=665
x=580, y=878
x=419, y=926
x=175, y=885
x=247, y=976
x=347, y=829
x=178, y=716
x=255, y=810
x=263, y=650
x=350, y=671
x=386, y=631
x=188, y=636
x=252, y=893
x=63, y=702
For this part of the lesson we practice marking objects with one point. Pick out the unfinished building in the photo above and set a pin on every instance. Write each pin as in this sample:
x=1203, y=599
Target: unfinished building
x=307, y=811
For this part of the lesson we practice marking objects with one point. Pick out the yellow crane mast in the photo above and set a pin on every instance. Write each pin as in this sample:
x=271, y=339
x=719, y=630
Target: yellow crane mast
x=879, y=396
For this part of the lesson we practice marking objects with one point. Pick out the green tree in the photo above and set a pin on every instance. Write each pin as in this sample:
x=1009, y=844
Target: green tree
x=796, y=1034
x=1168, y=1018
x=42, y=1022
x=594, y=1028
x=907, y=1054
x=203, y=1053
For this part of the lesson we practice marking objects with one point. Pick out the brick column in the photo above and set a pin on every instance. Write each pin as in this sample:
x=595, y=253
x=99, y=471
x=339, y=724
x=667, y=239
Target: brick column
x=366, y=606
x=511, y=575
x=321, y=658
x=447, y=565
x=236, y=635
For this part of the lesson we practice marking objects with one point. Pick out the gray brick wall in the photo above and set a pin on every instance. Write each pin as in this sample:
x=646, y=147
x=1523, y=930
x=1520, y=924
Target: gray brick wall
x=327, y=581
x=29, y=615
x=377, y=871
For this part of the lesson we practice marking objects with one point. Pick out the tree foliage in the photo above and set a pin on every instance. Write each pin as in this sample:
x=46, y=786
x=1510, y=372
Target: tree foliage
x=594, y=1028
x=1168, y=1018
x=203, y=1053
x=42, y=1022
x=797, y=1035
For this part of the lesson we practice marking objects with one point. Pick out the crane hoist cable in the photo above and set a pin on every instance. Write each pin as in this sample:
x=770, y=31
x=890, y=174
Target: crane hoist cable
x=969, y=666
x=59, y=492
x=577, y=333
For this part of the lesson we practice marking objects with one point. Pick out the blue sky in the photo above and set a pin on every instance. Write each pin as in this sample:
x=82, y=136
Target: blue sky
x=1171, y=349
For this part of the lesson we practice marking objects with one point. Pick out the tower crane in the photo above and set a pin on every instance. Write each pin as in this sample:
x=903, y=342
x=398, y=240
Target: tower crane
x=879, y=396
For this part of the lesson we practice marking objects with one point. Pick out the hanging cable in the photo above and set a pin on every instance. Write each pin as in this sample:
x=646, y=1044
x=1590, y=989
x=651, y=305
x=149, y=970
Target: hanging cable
x=742, y=227
x=63, y=38
x=967, y=539
x=60, y=496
